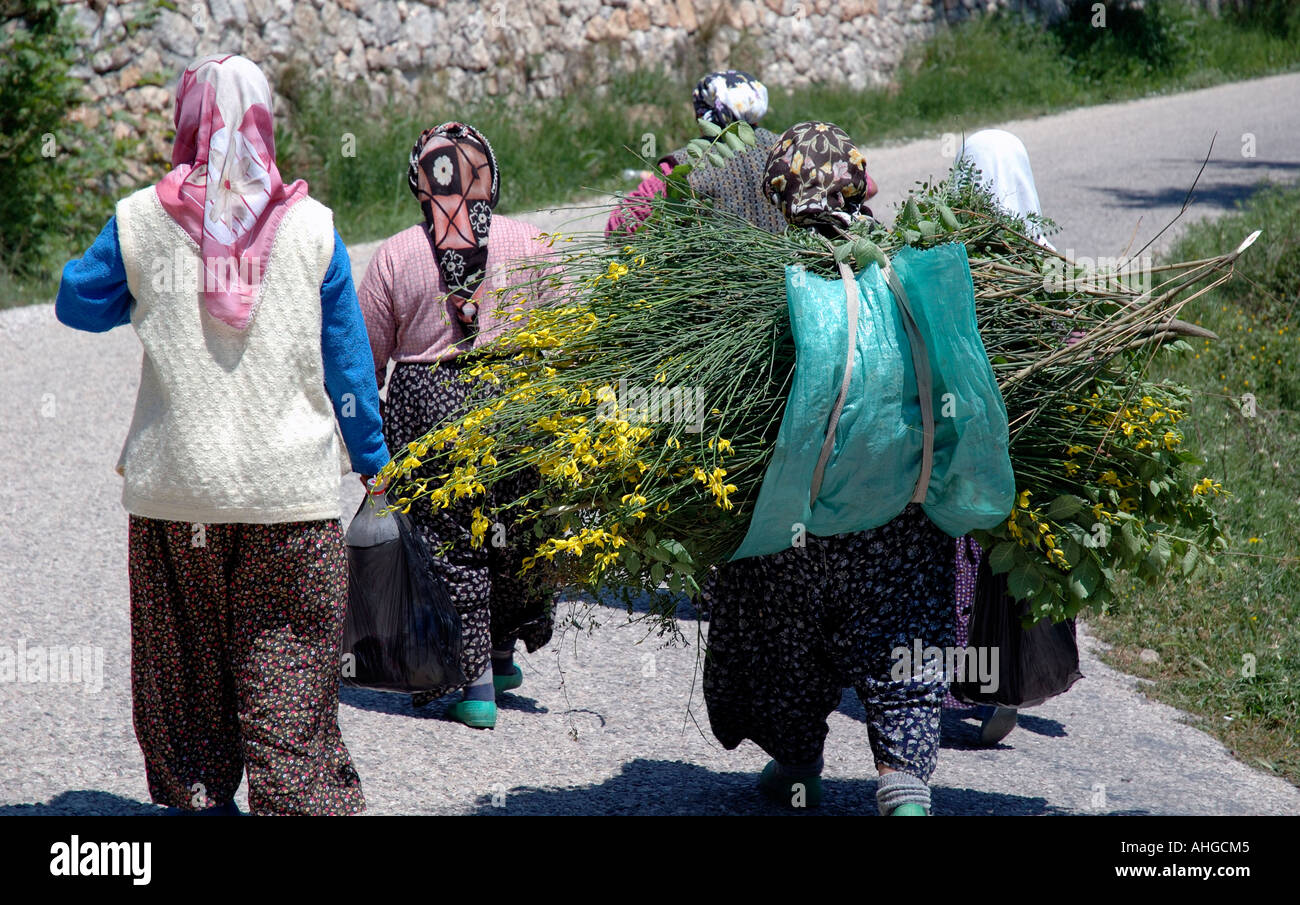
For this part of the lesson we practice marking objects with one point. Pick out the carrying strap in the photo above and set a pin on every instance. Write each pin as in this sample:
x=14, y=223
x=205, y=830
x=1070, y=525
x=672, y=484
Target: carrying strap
x=924, y=382
x=851, y=293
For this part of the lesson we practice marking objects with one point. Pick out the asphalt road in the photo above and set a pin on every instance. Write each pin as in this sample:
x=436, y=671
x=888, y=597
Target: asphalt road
x=608, y=723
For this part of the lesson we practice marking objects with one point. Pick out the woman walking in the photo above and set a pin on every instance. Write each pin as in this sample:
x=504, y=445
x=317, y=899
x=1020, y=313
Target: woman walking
x=241, y=293
x=790, y=630
x=430, y=295
x=721, y=98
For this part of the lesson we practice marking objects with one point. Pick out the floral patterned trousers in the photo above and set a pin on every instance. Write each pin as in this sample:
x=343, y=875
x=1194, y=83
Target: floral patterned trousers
x=235, y=649
x=790, y=630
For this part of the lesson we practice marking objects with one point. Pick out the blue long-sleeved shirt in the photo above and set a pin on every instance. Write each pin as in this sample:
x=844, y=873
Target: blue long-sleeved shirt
x=94, y=296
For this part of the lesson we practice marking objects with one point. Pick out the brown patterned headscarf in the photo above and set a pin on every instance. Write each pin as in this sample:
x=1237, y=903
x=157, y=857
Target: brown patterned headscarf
x=453, y=174
x=817, y=177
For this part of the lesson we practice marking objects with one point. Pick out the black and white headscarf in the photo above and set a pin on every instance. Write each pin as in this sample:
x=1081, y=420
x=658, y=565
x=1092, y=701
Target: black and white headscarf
x=724, y=97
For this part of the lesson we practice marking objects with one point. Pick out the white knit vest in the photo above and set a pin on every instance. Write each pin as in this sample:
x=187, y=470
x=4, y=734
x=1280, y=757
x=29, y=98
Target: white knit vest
x=230, y=425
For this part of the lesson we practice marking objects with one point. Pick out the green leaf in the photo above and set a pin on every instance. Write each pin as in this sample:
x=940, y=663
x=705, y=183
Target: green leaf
x=1154, y=488
x=733, y=141
x=1159, y=555
x=1024, y=582
x=843, y=252
x=1063, y=507
x=1088, y=575
x=673, y=547
x=746, y=133
x=1189, y=561
x=1132, y=543
x=710, y=129
x=649, y=537
x=675, y=583
x=657, y=574
x=1003, y=557
x=866, y=253
x=658, y=554
x=1070, y=547
x=632, y=562
x=715, y=159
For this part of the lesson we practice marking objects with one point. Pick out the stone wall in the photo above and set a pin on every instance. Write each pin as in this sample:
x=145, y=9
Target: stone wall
x=462, y=48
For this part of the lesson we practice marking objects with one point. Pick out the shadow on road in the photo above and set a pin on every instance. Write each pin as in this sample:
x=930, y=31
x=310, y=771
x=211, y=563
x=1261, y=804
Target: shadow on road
x=84, y=802
x=960, y=729
x=400, y=704
x=1220, y=195
x=655, y=787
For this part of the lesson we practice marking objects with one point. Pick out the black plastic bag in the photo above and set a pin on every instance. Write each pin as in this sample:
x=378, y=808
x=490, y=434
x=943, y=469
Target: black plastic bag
x=1034, y=663
x=402, y=633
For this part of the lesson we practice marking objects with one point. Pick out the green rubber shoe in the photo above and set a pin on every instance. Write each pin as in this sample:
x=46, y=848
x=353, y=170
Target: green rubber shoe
x=909, y=810
x=475, y=714
x=509, y=681
x=797, y=792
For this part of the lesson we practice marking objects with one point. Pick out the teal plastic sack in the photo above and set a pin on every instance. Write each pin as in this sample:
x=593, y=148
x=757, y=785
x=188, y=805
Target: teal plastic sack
x=876, y=458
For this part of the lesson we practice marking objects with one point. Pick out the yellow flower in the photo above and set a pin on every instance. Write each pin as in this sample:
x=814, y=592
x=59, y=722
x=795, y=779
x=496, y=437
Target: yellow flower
x=1023, y=500
x=1171, y=440
x=1109, y=477
x=1205, y=485
x=478, y=527
x=1128, y=504
x=1254, y=540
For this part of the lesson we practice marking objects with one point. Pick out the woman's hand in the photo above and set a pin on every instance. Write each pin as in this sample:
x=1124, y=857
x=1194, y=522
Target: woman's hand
x=466, y=311
x=374, y=485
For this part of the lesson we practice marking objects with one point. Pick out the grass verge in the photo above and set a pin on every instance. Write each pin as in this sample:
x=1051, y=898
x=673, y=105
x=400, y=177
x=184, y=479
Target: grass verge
x=1229, y=644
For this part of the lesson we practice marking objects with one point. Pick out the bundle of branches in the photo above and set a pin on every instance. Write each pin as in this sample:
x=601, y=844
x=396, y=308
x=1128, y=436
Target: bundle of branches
x=649, y=399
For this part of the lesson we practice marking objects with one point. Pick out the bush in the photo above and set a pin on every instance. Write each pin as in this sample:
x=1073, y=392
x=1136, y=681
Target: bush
x=49, y=164
x=1124, y=37
x=1277, y=17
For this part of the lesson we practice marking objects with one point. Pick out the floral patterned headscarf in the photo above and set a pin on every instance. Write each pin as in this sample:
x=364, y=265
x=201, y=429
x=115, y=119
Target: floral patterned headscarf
x=722, y=98
x=453, y=174
x=224, y=189
x=817, y=177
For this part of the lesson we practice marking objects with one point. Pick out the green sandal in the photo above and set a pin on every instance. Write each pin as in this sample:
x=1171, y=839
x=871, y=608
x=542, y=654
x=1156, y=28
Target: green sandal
x=782, y=790
x=475, y=714
x=508, y=681
x=909, y=810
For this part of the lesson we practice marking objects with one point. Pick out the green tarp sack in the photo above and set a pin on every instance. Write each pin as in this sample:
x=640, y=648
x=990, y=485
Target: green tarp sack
x=875, y=461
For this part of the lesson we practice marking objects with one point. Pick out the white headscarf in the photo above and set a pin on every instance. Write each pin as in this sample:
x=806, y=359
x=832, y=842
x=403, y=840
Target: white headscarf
x=1003, y=164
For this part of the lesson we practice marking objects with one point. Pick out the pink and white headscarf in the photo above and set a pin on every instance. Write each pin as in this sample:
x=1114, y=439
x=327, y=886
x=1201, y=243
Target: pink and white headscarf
x=224, y=189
